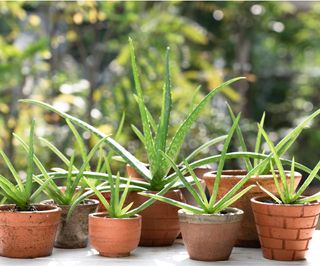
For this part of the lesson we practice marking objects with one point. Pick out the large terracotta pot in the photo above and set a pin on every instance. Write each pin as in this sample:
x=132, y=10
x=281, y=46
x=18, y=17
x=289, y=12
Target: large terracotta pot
x=28, y=234
x=73, y=233
x=114, y=237
x=210, y=237
x=160, y=222
x=248, y=236
x=284, y=230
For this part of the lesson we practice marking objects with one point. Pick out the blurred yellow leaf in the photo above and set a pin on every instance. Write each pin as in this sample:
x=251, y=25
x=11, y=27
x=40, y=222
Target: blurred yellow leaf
x=4, y=108
x=71, y=36
x=93, y=16
x=77, y=18
x=102, y=16
x=34, y=20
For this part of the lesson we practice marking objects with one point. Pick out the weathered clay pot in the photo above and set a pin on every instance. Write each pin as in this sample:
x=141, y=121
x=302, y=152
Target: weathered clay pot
x=248, y=236
x=160, y=222
x=28, y=234
x=73, y=233
x=210, y=237
x=284, y=230
x=113, y=237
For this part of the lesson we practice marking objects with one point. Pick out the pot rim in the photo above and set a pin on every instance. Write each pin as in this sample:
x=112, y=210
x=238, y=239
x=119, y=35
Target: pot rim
x=236, y=212
x=98, y=215
x=94, y=203
x=257, y=200
x=239, y=174
x=52, y=209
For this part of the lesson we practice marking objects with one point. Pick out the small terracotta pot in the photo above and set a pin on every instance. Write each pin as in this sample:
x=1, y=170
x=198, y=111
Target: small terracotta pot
x=248, y=236
x=73, y=233
x=210, y=237
x=113, y=237
x=28, y=234
x=284, y=230
x=160, y=222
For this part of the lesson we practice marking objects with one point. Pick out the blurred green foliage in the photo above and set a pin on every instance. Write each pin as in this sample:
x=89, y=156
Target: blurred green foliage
x=75, y=55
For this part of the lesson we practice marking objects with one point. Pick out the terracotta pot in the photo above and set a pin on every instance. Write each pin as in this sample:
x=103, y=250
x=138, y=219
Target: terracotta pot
x=113, y=237
x=248, y=236
x=28, y=234
x=284, y=230
x=210, y=237
x=73, y=233
x=160, y=222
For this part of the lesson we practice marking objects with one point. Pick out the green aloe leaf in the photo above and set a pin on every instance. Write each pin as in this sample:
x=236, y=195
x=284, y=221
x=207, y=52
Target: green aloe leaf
x=258, y=139
x=307, y=182
x=277, y=200
x=278, y=163
x=233, y=199
x=30, y=168
x=204, y=146
x=178, y=139
x=241, y=139
x=79, y=140
x=173, y=202
x=147, y=131
x=139, y=134
x=192, y=191
x=162, y=132
x=134, y=162
x=221, y=162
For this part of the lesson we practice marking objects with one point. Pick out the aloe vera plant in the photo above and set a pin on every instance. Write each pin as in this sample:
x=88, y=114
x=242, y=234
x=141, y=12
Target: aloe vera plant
x=286, y=192
x=153, y=136
x=211, y=206
x=21, y=193
x=257, y=156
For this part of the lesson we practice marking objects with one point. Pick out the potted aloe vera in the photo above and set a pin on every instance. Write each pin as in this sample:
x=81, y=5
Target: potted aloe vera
x=209, y=230
x=155, y=139
x=71, y=233
x=160, y=224
x=286, y=220
x=115, y=232
x=27, y=229
x=248, y=236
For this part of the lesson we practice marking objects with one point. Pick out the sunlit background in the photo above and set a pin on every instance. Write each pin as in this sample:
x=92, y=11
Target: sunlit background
x=75, y=56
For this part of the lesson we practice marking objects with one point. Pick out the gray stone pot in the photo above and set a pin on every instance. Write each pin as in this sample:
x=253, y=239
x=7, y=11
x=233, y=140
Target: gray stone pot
x=73, y=233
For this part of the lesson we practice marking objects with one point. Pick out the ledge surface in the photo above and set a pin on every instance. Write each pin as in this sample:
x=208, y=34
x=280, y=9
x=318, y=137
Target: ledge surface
x=175, y=255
